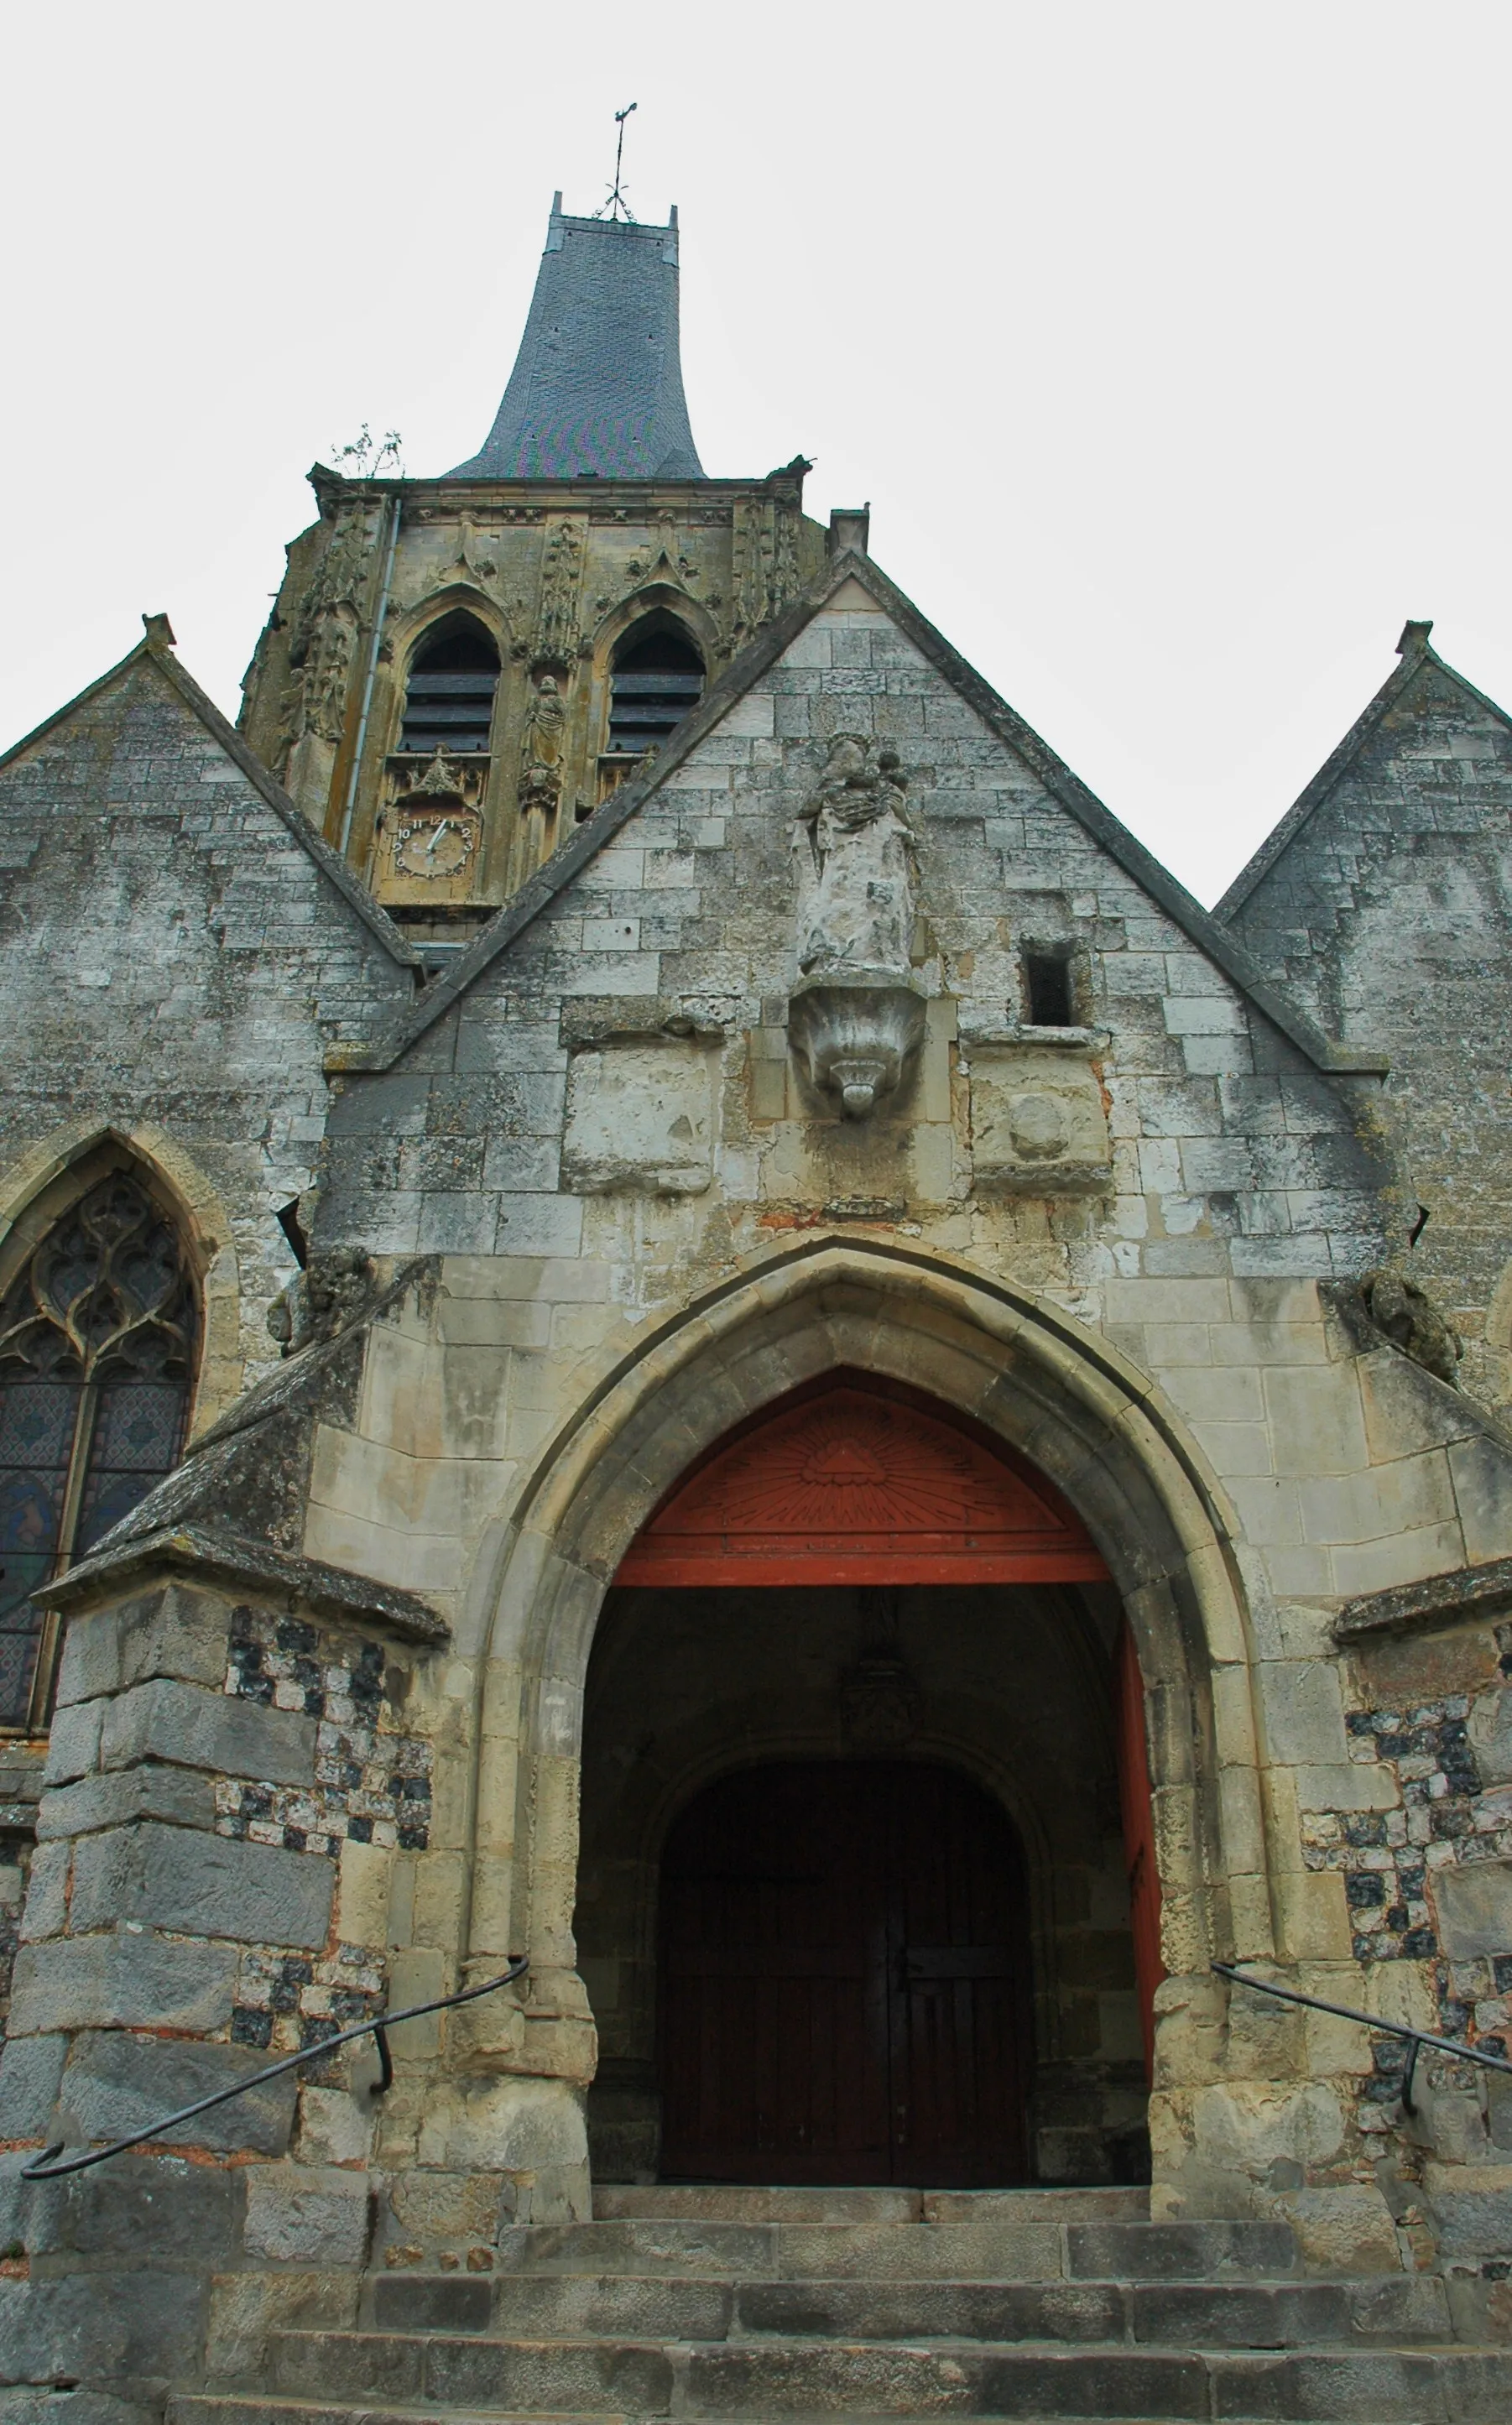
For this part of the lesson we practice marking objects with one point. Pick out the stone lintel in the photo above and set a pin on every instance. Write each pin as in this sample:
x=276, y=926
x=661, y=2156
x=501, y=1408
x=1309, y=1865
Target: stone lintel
x=590, y=1020
x=1438, y=1599
x=225, y=1557
x=988, y=1035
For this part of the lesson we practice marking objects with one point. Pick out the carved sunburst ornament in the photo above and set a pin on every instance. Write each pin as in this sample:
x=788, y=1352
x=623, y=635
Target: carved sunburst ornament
x=856, y=1487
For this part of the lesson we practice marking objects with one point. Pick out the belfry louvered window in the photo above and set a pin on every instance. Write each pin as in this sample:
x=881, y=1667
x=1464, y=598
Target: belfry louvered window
x=97, y=1354
x=655, y=681
x=450, y=699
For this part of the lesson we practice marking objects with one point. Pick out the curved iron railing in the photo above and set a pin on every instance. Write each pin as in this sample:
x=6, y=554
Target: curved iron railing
x=44, y=2167
x=1418, y=2038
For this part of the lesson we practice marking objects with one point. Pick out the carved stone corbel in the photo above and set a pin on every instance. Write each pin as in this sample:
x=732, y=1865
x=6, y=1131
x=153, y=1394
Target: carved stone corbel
x=857, y=1034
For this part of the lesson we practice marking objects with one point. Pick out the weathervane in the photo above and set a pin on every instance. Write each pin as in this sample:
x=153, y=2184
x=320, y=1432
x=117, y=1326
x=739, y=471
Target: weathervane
x=615, y=204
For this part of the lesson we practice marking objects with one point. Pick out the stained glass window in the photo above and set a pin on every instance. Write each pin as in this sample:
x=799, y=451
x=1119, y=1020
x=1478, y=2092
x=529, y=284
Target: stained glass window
x=97, y=1349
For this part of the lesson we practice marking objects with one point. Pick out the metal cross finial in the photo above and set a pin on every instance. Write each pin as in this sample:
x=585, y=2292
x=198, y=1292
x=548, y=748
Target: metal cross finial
x=615, y=204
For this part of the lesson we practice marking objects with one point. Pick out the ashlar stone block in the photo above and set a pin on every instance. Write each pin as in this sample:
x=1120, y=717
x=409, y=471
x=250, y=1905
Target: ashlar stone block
x=307, y=2214
x=1474, y=1907
x=641, y=1120
x=122, y=1980
x=167, y=1720
x=1039, y=1123
x=116, y=2083
x=203, y=1886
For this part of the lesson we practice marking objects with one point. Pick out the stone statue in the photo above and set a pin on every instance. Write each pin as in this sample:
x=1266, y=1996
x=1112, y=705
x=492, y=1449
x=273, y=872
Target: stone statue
x=560, y=573
x=540, y=762
x=855, y=861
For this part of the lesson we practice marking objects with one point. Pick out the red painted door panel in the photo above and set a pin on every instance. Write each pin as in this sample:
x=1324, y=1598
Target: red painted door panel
x=844, y=1980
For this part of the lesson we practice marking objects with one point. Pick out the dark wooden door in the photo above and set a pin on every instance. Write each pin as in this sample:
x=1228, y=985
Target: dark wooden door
x=844, y=1981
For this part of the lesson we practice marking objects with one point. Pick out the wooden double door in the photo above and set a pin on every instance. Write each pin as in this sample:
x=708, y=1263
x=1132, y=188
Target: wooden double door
x=844, y=1982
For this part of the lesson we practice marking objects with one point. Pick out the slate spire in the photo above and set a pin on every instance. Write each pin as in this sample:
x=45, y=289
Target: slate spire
x=597, y=385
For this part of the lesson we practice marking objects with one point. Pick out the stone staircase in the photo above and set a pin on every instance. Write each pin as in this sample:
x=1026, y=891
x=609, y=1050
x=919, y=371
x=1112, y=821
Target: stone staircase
x=705, y=2303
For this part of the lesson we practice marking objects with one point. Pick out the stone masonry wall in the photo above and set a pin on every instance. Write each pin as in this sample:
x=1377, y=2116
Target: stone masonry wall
x=1386, y=915
x=1244, y=1190
x=171, y=959
x=235, y=1791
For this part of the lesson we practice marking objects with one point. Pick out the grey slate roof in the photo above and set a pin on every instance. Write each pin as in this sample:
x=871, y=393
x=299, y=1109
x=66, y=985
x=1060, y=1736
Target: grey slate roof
x=597, y=385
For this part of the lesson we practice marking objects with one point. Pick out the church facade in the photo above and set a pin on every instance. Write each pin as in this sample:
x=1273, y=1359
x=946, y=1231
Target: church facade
x=664, y=1308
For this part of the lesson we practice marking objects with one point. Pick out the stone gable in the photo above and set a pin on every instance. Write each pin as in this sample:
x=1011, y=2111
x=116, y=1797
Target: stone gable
x=173, y=957
x=1384, y=912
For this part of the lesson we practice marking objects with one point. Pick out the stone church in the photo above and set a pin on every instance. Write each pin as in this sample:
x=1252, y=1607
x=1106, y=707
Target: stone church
x=671, y=1323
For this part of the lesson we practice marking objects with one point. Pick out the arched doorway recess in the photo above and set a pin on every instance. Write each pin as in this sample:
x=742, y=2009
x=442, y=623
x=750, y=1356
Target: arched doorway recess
x=824, y=1972
x=843, y=1988
x=1019, y=1368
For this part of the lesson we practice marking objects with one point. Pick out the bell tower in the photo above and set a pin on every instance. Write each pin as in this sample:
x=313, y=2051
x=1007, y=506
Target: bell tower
x=459, y=669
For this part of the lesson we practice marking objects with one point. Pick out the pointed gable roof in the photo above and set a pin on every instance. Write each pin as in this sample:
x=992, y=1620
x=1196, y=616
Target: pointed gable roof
x=1415, y=653
x=848, y=569
x=156, y=651
x=597, y=386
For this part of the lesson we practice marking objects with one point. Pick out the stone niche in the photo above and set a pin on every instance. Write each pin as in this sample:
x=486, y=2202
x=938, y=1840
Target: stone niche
x=641, y=1120
x=1039, y=1122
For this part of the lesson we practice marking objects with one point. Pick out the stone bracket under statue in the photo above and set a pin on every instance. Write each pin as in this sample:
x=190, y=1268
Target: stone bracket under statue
x=857, y=1013
x=856, y=1034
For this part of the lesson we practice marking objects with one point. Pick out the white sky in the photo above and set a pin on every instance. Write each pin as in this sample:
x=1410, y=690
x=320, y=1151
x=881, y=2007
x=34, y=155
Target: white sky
x=1168, y=343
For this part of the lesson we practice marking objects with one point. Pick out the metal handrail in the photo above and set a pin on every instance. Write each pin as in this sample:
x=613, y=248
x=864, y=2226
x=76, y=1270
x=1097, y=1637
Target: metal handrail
x=1418, y=2038
x=42, y=2167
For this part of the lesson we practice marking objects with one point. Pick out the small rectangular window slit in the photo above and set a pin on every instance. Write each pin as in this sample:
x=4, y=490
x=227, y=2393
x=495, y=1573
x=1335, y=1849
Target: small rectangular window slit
x=1047, y=982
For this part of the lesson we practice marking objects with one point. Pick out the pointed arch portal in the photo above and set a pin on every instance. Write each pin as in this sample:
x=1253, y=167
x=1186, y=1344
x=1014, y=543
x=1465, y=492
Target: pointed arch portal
x=632, y=1694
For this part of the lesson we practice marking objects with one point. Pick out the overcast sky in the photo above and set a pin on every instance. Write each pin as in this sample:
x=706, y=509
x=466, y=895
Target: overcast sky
x=1168, y=343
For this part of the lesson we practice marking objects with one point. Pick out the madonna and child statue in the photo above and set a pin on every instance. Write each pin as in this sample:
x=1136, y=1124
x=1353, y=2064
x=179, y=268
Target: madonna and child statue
x=856, y=1009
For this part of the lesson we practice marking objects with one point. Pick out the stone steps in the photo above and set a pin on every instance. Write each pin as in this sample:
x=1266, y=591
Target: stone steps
x=457, y=2377
x=705, y=2201
x=700, y=2305
x=990, y=2244
x=1229, y=2314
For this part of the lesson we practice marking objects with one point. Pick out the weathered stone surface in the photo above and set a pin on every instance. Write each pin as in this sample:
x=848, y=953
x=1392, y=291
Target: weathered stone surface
x=45, y=1910
x=74, y=1747
x=306, y=2214
x=30, y=2070
x=247, y=2308
x=49, y=2406
x=123, y=1979
x=148, y=2208
x=128, y=2324
x=114, y=1800
x=639, y=1117
x=115, y=2084
x=173, y=1630
x=1474, y=1904
x=166, y=1720
x=208, y=1886
x=1038, y=1123
x=1490, y=1736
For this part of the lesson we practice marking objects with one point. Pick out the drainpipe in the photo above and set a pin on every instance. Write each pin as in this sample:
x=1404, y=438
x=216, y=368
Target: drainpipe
x=396, y=507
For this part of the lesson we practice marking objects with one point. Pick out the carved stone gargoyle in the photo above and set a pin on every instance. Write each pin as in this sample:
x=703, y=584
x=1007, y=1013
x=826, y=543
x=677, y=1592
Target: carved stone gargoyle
x=1410, y=1320
x=857, y=1013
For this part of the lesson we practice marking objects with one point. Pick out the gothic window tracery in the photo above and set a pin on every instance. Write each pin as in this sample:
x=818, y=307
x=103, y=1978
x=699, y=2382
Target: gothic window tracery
x=97, y=1353
x=449, y=698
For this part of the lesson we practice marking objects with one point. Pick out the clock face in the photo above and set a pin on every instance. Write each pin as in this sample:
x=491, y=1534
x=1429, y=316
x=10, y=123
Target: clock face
x=434, y=847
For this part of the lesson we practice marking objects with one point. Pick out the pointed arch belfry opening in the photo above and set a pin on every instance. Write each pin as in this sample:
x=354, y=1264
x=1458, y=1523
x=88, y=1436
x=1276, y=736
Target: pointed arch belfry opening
x=100, y=1336
x=992, y=1357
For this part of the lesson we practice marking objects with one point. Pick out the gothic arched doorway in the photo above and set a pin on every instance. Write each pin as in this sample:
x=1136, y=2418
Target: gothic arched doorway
x=844, y=1979
x=859, y=1637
